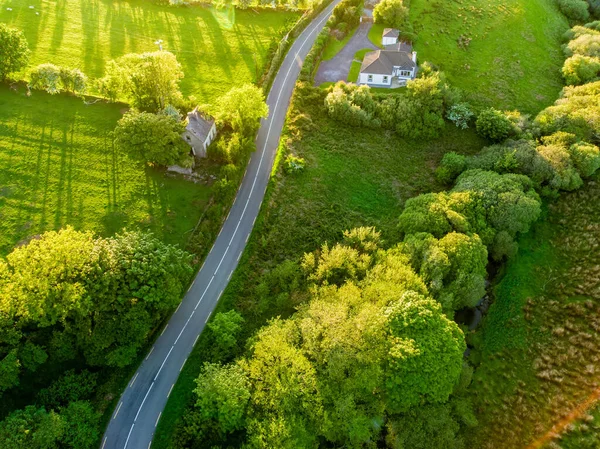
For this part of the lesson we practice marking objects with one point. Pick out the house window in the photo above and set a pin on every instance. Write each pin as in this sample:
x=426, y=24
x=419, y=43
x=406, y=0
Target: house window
x=369, y=78
x=405, y=73
x=385, y=78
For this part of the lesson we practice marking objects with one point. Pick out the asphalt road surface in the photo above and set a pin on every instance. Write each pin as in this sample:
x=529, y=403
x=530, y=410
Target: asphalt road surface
x=138, y=411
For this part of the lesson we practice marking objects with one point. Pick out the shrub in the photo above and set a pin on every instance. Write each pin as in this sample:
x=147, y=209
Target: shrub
x=579, y=69
x=46, y=77
x=151, y=138
x=14, y=51
x=460, y=114
x=452, y=165
x=352, y=105
x=576, y=10
x=494, y=125
x=294, y=164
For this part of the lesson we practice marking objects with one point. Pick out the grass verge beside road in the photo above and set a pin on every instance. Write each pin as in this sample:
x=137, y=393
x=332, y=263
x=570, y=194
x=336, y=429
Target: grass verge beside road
x=353, y=177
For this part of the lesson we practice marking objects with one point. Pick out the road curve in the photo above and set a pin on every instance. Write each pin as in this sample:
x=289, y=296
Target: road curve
x=138, y=411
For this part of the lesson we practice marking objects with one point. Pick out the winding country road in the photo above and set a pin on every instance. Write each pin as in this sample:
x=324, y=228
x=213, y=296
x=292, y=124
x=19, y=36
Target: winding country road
x=138, y=411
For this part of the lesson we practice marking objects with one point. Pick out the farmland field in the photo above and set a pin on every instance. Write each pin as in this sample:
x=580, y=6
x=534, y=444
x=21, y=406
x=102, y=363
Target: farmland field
x=538, y=348
x=58, y=167
x=217, y=48
x=502, y=53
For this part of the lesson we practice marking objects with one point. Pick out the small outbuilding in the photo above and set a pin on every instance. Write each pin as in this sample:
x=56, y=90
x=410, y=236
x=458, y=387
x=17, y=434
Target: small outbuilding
x=200, y=131
x=390, y=36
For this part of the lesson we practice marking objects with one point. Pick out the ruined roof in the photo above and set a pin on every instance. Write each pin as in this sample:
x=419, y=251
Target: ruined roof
x=382, y=62
x=390, y=32
x=198, y=125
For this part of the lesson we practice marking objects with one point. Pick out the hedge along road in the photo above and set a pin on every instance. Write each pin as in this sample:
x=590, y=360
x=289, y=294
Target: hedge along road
x=138, y=411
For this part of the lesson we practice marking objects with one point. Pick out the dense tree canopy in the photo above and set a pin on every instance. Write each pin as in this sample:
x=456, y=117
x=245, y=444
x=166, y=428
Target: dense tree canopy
x=68, y=293
x=242, y=108
x=358, y=352
x=482, y=202
x=14, y=51
x=150, y=81
x=152, y=138
x=453, y=267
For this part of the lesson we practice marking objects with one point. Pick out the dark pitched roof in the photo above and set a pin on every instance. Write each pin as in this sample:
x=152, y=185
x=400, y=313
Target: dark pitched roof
x=198, y=125
x=400, y=46
x=390, y=32
x=382, y=62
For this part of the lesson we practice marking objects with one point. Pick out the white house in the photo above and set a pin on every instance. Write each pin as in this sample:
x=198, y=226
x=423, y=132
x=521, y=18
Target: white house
x=390, y=36
x=391, y=67
x=199, y=132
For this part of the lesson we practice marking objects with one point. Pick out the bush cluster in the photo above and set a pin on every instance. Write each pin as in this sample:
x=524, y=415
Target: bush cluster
x=419, y=113
x=54, y=79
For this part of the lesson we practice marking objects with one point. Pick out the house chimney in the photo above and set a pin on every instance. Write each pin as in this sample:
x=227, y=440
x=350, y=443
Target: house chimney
x=414, y=56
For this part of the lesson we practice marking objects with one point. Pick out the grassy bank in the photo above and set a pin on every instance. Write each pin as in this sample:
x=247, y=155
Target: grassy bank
x=538, y=349
x=218, y=49
x=58, y=167
x=353, y=177
x=502, y=53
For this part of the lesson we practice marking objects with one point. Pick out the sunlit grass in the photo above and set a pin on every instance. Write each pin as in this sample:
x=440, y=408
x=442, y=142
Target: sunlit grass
x=217, y=48
x=58, y=167
x=513, y=58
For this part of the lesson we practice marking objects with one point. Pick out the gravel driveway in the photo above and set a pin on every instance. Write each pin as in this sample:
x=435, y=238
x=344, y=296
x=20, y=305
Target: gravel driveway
x=338, y=67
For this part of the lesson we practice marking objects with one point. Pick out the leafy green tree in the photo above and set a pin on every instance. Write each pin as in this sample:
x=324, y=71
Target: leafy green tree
x=32, y=356
x=152, y=138
x=81, y=425
x=579, y=69
x=149, y=80
x=493, y=125
x=336, y=265
x=454, y=267
x=99, y=297
x=14, y=51
x=69, y=387
x=10, y=367
x=222, y=396
x=224, y=330
x=424, y=428
x=576, y=10
x=425, y=355
x=452, y=165
x=391, y=13
x=460, y=114
x=241, y=108
x=31, y=428
x=576, y=112
x=46, y=77
x=586, y=158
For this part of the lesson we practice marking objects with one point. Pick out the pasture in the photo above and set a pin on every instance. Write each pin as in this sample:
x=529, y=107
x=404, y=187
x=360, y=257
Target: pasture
x=58, y=167
x=501, y=53
x=218, y=49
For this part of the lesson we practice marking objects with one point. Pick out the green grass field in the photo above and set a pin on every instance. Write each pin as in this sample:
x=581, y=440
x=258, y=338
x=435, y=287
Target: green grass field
x=538, y=351
x=58, y=167
x=217, y=49
x=514, y=55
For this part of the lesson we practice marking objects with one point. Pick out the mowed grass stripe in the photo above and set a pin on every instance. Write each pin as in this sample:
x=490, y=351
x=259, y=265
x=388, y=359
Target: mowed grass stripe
x=217, y=48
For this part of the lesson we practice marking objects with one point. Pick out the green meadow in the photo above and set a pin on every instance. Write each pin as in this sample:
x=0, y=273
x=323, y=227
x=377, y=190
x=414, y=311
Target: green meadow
x=501, y=53
x=218, y=49
x=58, y=167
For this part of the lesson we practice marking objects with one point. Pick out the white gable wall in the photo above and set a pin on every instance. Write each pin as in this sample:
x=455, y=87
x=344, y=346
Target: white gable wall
x=389, y=40
x=375, y=79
